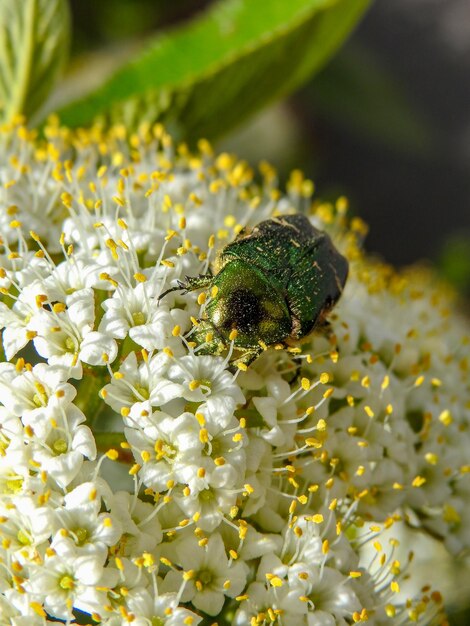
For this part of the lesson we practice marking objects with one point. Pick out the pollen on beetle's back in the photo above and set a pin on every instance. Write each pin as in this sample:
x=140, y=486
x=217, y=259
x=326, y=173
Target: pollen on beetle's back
x=249, y=301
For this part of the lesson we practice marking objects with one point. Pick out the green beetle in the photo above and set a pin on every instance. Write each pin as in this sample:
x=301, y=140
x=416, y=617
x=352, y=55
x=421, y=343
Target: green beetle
x=273, y=285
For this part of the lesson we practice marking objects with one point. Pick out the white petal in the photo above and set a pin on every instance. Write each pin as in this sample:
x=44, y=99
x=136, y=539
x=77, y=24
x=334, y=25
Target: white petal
x=84, y=442
x=94, y=346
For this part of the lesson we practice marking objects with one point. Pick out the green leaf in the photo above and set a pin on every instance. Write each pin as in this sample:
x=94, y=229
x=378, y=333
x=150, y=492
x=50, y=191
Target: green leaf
x=34, y=37
x=204, y=78
x=454, y=261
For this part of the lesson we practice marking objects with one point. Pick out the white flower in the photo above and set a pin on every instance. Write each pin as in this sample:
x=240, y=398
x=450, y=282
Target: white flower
x=278, y=414
x=137, y=383
x=61, y=453
x=97, y=349
x=21, y=609
x=163, y=609
x=25, y=526
x=205, y=381
x=16, y=319
x=142, y=480
x=327, y=590
x=213, y=576
x=136, y=312
x=66, y=580
x=81, y=523
x=61, y=333
x=38, y=396
x=74, y=274
x=141, y=529
x=170, y=448
x=261, y=600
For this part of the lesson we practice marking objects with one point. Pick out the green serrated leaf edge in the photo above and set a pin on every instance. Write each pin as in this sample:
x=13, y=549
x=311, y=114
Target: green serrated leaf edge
x=177, y=102
x=25, y=85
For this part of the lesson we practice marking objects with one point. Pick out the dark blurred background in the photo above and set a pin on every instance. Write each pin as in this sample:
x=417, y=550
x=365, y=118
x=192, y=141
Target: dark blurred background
x=387, y=122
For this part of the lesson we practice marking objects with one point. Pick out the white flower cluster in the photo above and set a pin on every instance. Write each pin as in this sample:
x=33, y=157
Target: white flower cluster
x=145, y=482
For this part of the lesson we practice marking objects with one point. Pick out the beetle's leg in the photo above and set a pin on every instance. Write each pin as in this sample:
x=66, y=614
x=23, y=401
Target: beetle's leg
x=207, y=338
x=248, y=356
x=190, y=284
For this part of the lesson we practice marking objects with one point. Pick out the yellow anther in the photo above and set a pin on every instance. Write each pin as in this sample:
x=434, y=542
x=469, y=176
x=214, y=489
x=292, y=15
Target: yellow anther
x=274, y=580
x=233, y=334
x=119, y=201
x=37, y=608
x=195, y=198
x=189, y=575
x=446, y=417
x=394, y=586
x=200, y=418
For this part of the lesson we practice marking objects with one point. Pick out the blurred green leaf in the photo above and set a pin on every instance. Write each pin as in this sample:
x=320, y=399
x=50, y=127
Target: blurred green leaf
x=363, y=97
x=34, y=38
x=454, y=261
x=208, y=76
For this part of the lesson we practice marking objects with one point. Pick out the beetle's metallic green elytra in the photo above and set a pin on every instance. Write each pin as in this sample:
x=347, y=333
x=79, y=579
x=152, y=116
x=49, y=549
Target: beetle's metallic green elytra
x=275, y=284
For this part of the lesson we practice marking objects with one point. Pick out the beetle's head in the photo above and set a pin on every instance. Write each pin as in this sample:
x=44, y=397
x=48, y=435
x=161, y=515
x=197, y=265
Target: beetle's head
x=247, y=300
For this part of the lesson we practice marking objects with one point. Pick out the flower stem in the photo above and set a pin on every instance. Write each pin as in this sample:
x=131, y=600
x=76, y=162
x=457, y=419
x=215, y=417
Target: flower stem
x=88, y=399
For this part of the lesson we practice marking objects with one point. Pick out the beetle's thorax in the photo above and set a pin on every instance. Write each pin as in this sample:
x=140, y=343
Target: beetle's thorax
x=249, y=302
